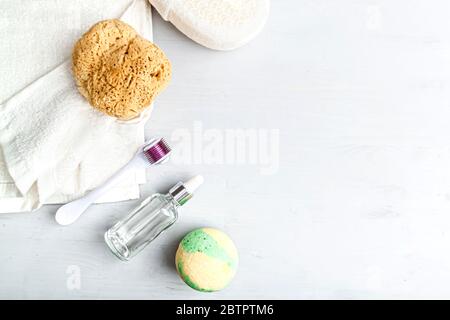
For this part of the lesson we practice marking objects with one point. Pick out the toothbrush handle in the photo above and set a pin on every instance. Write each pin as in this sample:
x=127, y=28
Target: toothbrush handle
x=71, y=211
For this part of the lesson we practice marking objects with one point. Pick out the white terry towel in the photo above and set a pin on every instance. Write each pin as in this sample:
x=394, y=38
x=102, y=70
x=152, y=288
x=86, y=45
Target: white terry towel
x=56, y=146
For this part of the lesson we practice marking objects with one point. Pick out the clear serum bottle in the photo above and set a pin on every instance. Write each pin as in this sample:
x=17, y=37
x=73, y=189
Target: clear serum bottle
x=154, y=215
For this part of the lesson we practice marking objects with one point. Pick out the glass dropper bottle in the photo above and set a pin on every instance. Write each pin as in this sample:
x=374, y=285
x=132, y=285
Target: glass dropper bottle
x=154, y=215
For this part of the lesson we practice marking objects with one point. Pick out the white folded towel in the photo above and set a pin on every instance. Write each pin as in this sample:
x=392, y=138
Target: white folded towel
x=55, y=146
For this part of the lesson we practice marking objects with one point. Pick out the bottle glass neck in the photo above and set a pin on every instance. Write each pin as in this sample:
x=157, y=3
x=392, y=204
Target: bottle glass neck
x=180, y=194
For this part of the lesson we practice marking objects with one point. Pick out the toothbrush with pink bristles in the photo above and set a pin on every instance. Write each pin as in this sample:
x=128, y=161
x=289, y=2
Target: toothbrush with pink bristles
x=155, y=151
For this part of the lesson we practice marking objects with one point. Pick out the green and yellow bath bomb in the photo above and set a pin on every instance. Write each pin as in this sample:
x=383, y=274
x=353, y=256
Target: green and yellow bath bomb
x=206, y=259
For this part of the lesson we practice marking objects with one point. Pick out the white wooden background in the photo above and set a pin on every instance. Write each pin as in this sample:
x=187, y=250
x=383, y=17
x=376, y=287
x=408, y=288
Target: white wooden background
x=360, y=205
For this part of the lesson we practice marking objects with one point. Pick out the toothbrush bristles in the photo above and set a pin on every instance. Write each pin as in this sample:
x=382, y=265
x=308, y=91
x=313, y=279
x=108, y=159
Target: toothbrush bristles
x=157, y=152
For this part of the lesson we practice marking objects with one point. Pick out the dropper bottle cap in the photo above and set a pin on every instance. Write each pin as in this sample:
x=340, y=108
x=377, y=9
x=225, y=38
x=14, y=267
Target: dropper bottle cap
x=183, y=191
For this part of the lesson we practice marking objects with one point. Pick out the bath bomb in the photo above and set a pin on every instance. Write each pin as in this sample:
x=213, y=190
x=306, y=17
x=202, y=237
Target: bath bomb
x=206, y=259
x=118, y=71
x=216, y=24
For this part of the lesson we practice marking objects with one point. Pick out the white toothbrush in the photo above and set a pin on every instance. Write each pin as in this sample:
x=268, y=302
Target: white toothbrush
x=153, y=152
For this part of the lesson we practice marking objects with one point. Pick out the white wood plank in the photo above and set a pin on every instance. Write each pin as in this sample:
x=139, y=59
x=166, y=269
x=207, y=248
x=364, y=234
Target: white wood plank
x=359, y=207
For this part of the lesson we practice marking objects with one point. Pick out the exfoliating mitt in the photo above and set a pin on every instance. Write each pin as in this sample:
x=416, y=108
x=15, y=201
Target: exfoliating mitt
x=216, y=24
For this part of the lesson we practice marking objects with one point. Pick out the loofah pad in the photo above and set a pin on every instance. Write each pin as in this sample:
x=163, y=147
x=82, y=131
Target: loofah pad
x=216, y=24
x=118, y=71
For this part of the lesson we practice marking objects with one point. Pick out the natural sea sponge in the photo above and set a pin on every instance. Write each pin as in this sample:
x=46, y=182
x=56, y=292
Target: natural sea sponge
x=117, y=71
